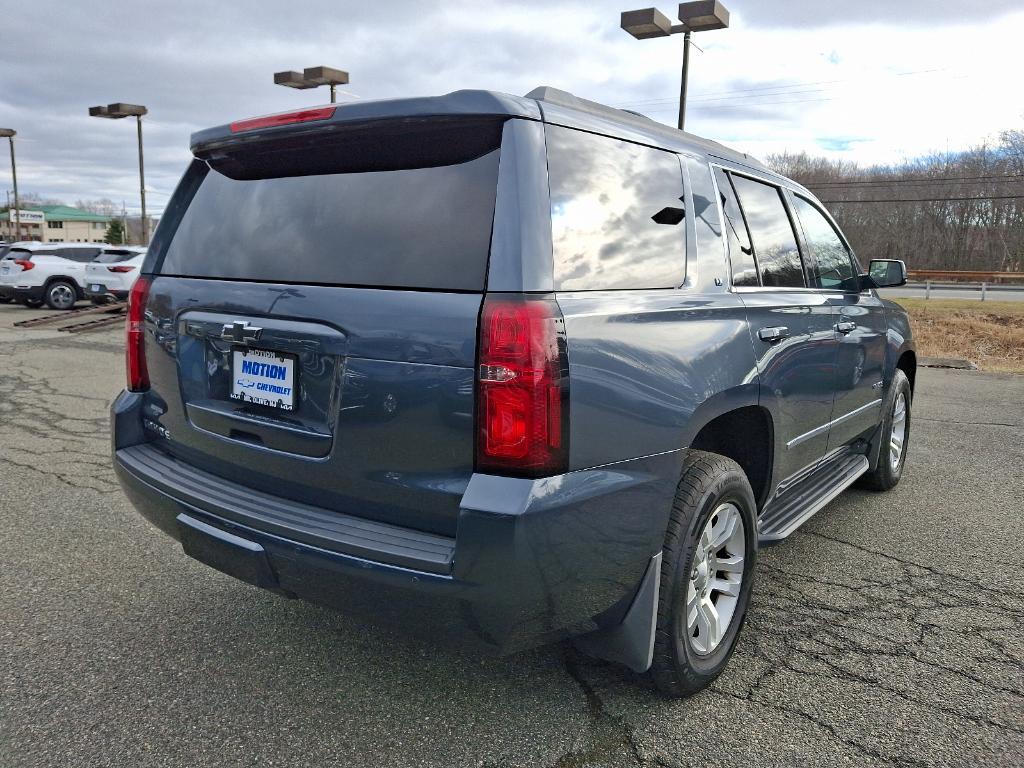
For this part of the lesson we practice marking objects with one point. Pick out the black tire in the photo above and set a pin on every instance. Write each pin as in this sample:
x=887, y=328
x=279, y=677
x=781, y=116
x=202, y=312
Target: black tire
x=99, y=301
x=708, y=481
x=61, y=295
x=5, y=299
x=887, y=473
x=30, y=303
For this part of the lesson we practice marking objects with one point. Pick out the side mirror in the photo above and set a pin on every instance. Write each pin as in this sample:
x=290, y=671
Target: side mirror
x=887, y=273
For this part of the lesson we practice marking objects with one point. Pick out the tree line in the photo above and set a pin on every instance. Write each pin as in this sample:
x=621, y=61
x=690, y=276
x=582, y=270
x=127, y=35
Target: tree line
x=961, y=211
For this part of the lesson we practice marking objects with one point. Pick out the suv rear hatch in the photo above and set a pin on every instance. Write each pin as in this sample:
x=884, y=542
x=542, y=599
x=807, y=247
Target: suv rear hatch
x=314, y=306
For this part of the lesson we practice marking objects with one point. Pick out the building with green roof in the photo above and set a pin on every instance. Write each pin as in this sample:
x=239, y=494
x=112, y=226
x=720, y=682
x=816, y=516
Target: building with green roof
x=54, y=224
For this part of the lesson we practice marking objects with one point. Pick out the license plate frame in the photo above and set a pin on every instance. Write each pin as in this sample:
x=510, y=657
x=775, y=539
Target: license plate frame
x=261, y=385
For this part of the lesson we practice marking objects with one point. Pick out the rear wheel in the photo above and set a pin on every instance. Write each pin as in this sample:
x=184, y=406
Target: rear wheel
x=706, y=574
x=61, y=294
x=5, y=299
x=895, y=437
x=30, y=303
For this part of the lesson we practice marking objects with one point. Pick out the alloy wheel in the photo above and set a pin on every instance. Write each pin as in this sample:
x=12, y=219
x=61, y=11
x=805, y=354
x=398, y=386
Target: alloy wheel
x=714, y=587
x=898, y=435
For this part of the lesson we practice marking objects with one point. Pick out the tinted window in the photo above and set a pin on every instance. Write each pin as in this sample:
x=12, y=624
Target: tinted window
x=408, y=208
x=741, y=254
x=616, y=213
x=112, y=257
x=832, y=267
x=707, y=227
x=775, y=248
x=79, y=254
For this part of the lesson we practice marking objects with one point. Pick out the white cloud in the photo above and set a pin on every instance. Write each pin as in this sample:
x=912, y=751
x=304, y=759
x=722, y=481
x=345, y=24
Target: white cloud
x=195, y=64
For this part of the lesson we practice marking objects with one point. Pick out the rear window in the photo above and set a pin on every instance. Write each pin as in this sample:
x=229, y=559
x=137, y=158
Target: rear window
x=112, y=257
x=405, y=206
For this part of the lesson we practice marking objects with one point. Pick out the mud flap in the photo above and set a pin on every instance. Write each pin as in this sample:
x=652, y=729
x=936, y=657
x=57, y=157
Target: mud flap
x=631, y=642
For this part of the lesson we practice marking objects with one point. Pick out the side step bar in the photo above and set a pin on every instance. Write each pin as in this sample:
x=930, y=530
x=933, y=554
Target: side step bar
x=787, y=513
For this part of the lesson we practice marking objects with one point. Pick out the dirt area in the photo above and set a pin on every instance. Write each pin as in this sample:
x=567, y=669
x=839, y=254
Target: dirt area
x=989, y=334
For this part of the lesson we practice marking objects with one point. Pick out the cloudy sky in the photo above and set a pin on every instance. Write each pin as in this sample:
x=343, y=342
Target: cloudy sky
x=871, y=81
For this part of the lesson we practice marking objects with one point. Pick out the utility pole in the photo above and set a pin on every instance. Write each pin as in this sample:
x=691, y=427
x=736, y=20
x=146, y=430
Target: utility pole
x=10, y=134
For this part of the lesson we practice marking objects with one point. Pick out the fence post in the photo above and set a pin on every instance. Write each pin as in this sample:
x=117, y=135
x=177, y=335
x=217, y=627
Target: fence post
x=983, y=287
x=927, y=289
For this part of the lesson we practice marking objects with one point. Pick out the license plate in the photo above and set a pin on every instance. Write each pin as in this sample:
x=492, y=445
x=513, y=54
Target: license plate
x=96, y=288
x=4, y=270
x=263, y=377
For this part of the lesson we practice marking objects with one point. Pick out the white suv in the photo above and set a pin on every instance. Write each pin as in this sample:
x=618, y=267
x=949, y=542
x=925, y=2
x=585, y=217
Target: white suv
x=53, y=273
x=113, y=272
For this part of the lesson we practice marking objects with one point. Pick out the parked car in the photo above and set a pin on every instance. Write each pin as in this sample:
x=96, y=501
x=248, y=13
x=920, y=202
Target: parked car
x=6, y=294
x=113, y=272
x=50, y=273
x=671, y=354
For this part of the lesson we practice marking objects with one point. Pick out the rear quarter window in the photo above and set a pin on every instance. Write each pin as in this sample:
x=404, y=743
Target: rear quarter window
x=617, y=213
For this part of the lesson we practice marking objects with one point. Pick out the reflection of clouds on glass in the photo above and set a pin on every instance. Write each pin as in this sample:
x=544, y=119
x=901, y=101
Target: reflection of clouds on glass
x=603, y=194
x=775, y=245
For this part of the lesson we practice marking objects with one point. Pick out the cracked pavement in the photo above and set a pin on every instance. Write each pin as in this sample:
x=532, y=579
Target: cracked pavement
x=887, y=631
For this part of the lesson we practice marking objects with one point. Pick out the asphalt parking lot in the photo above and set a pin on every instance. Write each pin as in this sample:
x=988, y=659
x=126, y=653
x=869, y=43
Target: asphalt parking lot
x=887, y=631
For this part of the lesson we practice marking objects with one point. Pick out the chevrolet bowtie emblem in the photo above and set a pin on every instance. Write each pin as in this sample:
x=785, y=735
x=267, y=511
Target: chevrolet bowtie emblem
x=240, y=332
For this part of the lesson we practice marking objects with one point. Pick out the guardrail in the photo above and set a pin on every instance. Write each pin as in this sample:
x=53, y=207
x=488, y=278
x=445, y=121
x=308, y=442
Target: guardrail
x=964, y=276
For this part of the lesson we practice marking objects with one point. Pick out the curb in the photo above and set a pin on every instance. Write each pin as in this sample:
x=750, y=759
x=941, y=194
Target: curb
x=947, y=362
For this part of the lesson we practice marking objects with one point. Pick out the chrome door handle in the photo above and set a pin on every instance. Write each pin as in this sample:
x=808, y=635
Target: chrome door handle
x=846, y=326
x=771, y=335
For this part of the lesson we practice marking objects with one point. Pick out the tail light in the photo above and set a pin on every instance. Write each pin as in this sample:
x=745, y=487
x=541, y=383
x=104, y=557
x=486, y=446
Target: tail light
x=522, y=388
x=25, y=264
x=135, y=337
x=122, y=270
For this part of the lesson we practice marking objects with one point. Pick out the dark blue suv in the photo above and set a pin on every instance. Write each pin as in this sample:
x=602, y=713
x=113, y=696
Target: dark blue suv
x=509, y=369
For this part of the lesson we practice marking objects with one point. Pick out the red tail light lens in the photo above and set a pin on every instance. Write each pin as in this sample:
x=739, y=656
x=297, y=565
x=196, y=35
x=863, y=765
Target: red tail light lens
x=285, y=118
x=522, y=388
x=135, y=337
x=25, y=264
x=122, y=270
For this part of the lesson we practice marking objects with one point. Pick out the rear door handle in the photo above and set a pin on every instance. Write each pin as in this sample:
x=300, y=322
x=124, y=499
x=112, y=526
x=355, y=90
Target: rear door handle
x=771, y=335
x=846, y=326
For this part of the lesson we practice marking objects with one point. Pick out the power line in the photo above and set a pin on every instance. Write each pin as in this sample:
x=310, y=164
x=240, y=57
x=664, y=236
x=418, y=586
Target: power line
x=932, y=199
x=995, y=179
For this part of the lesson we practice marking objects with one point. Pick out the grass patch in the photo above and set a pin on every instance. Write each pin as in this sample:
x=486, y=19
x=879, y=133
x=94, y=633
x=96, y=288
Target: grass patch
x=988, y=333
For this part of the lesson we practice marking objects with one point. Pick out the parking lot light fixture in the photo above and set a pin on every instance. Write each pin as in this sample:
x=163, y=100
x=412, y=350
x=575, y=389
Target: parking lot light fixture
x=116, y=111
x=9, y=134
x=699, y=16
x=313, y=77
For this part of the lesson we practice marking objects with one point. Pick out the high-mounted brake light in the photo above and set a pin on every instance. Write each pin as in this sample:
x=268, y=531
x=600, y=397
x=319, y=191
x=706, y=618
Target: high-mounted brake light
x=121, y=269
x=285, y=118
x=25, y=264
x=522, y=388
x=135, y=337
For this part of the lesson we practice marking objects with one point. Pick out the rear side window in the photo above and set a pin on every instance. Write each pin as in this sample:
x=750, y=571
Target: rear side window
x=775, y=248
x=78, y=254
x=617, y=213
x=404, y=206
x=832, y=265
x=741, y=252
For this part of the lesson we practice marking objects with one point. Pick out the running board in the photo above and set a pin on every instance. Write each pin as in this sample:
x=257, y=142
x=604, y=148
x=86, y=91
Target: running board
x=788, y=512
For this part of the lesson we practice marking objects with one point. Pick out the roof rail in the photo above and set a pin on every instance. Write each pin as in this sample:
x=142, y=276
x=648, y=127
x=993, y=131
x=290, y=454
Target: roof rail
x=566, y=99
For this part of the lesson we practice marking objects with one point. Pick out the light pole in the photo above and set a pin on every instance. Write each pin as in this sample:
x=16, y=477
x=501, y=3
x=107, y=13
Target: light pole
x=115, y=112
x=698, y=16
x=312, y=77
x=10, y=133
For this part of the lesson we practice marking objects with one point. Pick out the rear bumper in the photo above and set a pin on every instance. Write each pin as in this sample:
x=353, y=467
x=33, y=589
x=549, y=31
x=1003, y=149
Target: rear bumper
x=533, y=561
x=35, y=293
x=104, y=290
